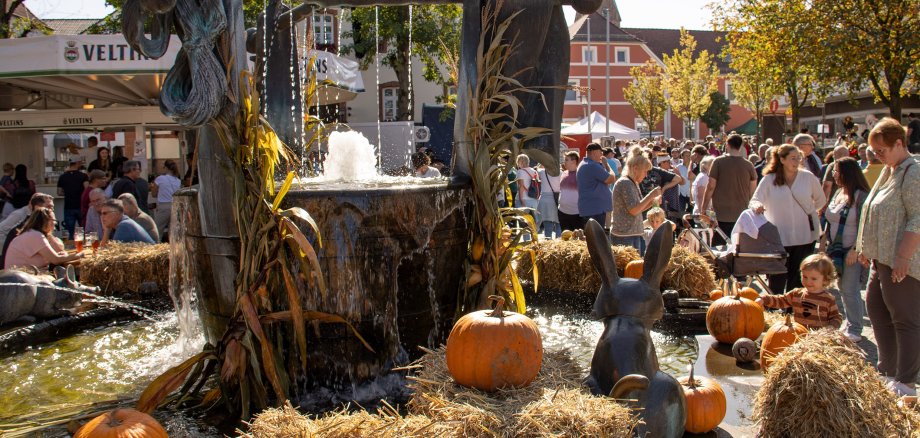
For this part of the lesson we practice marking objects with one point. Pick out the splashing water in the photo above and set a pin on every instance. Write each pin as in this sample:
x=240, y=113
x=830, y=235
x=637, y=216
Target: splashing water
x=351, y=157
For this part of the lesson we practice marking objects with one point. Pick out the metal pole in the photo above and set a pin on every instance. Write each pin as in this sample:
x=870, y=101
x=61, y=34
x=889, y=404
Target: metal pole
x=607, y=71
x=590, y=59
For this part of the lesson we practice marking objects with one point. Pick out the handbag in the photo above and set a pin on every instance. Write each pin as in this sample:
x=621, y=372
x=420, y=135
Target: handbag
x=835, y=249
x=811, y=220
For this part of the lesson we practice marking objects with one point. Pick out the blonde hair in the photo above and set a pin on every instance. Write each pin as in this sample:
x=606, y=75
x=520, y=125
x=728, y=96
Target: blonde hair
x=821, y=264
x=636, y=161
x=655, y=213
x=887, y=132
x=522, y=157
x=706, y=163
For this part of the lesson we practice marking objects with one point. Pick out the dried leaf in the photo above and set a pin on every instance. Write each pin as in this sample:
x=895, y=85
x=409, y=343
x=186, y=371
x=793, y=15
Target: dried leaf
x=285, y=315
x=300, y=332
x=268, y=360
x=166, y=383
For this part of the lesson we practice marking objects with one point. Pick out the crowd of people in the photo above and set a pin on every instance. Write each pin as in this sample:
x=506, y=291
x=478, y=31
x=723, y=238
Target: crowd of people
x=106, y=201
x=848, y=221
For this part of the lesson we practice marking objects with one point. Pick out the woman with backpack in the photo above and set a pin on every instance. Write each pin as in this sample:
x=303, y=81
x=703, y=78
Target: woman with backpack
x=529, y=190
x=21, y=188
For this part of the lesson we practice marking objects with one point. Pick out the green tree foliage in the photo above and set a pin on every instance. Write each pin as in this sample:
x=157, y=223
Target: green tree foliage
x=777, y=39
x=716, y=116
x=870, y=44
x=646, y=93
x=12, y=26
x=435, y=40
x=689, y=80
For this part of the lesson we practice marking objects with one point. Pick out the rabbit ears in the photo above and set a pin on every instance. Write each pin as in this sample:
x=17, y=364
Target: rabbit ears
x=601, y=254
x=656, y=256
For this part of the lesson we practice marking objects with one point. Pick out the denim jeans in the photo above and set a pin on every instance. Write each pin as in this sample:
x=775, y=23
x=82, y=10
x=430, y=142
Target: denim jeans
x=551, y=227
x=849, y=299
x=634, y=241
x=71, y=219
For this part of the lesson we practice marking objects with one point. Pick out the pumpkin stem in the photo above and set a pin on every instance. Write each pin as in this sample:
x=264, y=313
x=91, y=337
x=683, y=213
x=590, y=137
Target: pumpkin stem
x=113, y=420
x=691, y=379
x=735, y=289
x=788, y=320
x=748, y=280
x=499, y=306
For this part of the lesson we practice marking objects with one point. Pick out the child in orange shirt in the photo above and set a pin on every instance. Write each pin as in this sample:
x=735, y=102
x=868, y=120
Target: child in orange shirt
x=812, y=305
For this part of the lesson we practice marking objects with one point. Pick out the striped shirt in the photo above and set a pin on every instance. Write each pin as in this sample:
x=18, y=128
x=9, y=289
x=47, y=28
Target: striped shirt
x=813, y=310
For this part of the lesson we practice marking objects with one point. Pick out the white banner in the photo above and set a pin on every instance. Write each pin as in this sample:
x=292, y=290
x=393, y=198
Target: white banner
x=79, y=54
x=338, y=71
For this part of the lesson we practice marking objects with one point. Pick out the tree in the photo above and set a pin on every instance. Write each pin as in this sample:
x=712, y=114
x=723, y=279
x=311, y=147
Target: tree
x=12, y=26
x=776, y=38
x=716, y=115
x=111, y=24
x=689, y=80
x=754, y=89
x=646, y=93
x=435, y=38
x=871, y=44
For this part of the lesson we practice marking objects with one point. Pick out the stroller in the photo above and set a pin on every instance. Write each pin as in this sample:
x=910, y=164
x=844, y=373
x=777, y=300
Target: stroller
x=743, y=256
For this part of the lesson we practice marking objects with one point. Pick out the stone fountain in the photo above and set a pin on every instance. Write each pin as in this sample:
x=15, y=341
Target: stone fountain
x=393, y=253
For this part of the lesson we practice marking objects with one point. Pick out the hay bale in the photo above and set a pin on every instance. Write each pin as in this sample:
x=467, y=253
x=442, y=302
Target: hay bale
x=125, y=267
x=822, y=386
x=566, y=266
x=689, y=274
x=555, y=404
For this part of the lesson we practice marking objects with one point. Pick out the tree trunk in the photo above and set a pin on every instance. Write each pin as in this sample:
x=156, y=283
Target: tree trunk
x=401, y=68
x=895, y=105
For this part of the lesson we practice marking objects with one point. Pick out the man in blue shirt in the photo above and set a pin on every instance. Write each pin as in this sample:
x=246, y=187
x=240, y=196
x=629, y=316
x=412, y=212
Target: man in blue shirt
x=121, y=228
x=594, y=178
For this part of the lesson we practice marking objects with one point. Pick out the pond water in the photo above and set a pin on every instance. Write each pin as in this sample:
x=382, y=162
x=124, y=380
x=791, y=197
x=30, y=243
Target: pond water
x=118, y=361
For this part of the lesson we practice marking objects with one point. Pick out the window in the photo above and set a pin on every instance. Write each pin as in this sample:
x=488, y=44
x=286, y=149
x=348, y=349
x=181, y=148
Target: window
x=640, y=125
x=323, y=29
x=622, y=56
x=589, y=55
x=728, y=92
x=571, y=94
x=388, y=100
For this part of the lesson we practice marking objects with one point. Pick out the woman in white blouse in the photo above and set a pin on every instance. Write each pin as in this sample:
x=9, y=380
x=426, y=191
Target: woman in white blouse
x=698, y=188
x=790, y=196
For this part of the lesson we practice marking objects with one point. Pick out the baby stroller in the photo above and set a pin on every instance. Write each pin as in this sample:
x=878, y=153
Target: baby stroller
x=754, y=250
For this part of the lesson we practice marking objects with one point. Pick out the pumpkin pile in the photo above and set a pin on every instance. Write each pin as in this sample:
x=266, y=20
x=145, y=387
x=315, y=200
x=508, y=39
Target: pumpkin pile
x=706, y=403
x=822, y=386
x=734, y=317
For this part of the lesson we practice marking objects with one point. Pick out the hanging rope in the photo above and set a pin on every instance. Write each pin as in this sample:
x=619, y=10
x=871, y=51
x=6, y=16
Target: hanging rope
x=196, y=86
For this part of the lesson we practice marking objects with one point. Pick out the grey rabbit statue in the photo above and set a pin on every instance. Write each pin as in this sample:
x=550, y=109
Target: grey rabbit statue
x=625, y=364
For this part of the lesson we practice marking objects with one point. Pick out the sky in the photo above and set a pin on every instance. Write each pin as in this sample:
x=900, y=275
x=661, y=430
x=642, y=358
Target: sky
x=692, y=14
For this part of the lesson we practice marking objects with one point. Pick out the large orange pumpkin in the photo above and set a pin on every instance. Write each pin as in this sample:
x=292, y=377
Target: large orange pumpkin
x=780, y=336
x=634, y=269
x=492, y=349
x=122, y=423
x=706, y=404
x=731, y=318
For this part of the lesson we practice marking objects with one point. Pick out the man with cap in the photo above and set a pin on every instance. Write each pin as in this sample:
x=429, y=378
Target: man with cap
x=594, y=177
x=70, y=186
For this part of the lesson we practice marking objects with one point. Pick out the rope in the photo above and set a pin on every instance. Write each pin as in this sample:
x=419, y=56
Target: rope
x=195, y=88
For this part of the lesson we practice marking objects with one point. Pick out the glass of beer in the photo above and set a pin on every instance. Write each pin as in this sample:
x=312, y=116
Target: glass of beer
x=78, y=238
x=92, y=239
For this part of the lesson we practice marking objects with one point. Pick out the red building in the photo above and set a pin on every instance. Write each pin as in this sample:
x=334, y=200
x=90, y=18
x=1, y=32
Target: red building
x=602, y=70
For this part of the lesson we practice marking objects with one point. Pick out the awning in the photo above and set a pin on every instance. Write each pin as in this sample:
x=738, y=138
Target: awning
x=339, y=78
x=600, y=126
x=747, y=128
x=102, y=68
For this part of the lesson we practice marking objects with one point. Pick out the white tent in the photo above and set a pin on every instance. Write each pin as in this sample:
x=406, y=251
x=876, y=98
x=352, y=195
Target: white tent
x=600, y=126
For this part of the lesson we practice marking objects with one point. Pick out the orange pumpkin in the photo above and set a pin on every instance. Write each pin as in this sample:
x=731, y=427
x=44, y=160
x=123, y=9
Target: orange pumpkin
x=718, y=293
x=492, y=349
x=731, y=318
x=749, y=293
x=706, y=404
x=122, y=423
x=634, y=269
x=780, y=336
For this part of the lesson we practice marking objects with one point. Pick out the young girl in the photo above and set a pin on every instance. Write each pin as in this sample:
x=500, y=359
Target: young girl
x=812, y=305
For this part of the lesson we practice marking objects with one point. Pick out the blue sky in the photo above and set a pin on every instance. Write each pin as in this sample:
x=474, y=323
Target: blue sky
x=692, y=14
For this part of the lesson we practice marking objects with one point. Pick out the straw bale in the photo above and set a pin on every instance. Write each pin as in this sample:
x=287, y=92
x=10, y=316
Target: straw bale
x=689, y=274
x=123, y=267
x=822, y=386
x=772, y=317
x=555, y=404
x=566, y=266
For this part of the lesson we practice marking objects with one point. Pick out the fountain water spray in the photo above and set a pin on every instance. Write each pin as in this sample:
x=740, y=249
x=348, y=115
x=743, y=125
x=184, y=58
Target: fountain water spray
x=351, y=157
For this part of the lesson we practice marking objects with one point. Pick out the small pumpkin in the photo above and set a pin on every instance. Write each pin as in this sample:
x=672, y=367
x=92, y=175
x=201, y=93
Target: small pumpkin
x=731, y=318
x=718, y=293
x=122, y=423
x=706, y=404
x=779, y=337
x=492, y=349
x=567, y=235
x=749, y=292
x=744, y=350
x=634, y=269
